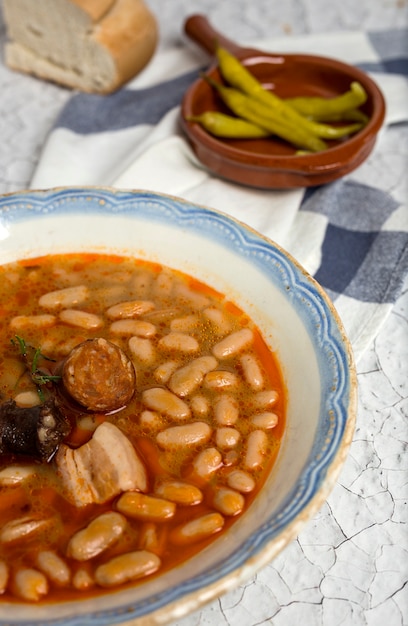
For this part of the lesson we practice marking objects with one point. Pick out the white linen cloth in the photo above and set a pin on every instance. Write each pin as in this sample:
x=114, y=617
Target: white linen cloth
x=351, y=237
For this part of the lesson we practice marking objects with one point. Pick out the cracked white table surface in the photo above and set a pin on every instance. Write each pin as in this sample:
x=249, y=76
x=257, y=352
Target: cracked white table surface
x=349, y=565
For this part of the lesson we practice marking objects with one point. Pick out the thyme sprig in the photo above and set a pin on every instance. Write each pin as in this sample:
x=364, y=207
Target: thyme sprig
x=31, y=358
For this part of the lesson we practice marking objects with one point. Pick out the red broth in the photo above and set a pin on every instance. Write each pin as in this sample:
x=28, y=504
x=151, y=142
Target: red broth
x=205, y=435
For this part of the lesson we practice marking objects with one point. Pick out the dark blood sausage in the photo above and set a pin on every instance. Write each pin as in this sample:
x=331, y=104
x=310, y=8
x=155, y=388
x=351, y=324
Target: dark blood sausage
x=99, y=375
x=35, y=431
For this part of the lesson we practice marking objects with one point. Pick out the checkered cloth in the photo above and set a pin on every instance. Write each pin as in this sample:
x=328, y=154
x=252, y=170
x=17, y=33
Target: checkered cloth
x=350, y=236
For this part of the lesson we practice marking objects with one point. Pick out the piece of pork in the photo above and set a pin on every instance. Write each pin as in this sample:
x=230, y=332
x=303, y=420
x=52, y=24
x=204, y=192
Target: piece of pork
x=101, y=468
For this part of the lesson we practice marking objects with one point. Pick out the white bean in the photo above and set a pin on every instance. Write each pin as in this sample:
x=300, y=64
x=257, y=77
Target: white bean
x=165, y=402
x=63, y=348
x=186, y=435
x=265, y=399
x=193, y=298
x=230, y=457
x=68, y=297
x=140, y=328
x=226, y=410
x=257, y=444
x=88, y=422
x=54, y=567
x=141, y=283
x=120, y=277
x=12, y=277
x=151, y=420
x=150, y=538
x=179, y=492
x=227, y=437
x=82, y=579
x=49, y=346
x=99, y=535
x=24, y=322
x=127, y=567
x=109, y=295
x=206, y=463
x=143, y=507
x=30, y=584
x=186, y=379
x=241, y=481
x=27, y=399
x=4, y=576
x=200, y=405
x=228, y=501
x=161, y=316
x=16, y=474
x=163, y=285
x=233, y=343
x=218, y=319
x=13, y=369
x=252, y=371
x=130, y=308
x=142, y=350
x=179, y=342
x=265, y=420
x=185, y=324
x=163, y=372
x=220, y=379
x=65, y=276
x=197, y=529
x=81, y=319
x=15, y=530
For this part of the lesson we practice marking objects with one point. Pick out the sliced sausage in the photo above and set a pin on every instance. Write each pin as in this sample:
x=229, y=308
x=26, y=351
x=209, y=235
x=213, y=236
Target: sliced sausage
x=99, y=375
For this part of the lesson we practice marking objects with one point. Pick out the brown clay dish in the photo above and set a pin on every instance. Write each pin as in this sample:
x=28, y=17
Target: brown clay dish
x=271, y=163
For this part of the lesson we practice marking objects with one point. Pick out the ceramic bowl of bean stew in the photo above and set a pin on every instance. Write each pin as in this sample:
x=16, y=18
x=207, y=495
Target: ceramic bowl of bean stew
x=177, y=397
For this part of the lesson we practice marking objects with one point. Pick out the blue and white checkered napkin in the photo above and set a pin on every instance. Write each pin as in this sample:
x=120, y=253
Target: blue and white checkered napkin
x=351, y=237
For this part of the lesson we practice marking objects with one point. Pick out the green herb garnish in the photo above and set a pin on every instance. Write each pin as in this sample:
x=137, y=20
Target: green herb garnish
x=31, y=358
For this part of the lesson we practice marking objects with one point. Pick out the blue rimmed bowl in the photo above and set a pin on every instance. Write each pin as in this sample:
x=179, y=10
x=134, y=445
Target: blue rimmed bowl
x=298, y=322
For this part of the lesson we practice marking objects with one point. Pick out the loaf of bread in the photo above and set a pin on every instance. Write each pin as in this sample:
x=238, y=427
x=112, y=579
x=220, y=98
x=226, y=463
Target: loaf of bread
x=90, y=45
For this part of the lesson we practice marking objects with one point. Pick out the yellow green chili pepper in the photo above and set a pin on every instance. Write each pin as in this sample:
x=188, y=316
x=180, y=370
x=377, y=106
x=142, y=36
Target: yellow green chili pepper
x=227, y=126
x=258, y=113
x=237, y=75
x=330, y=108
x=354, y=115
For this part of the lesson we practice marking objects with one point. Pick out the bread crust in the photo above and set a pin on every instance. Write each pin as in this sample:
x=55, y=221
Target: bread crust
x=125, y=31
x=129, y=31
x=96, y=9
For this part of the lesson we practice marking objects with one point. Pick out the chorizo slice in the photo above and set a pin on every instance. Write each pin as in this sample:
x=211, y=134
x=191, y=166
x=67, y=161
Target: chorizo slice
x=99, y=375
